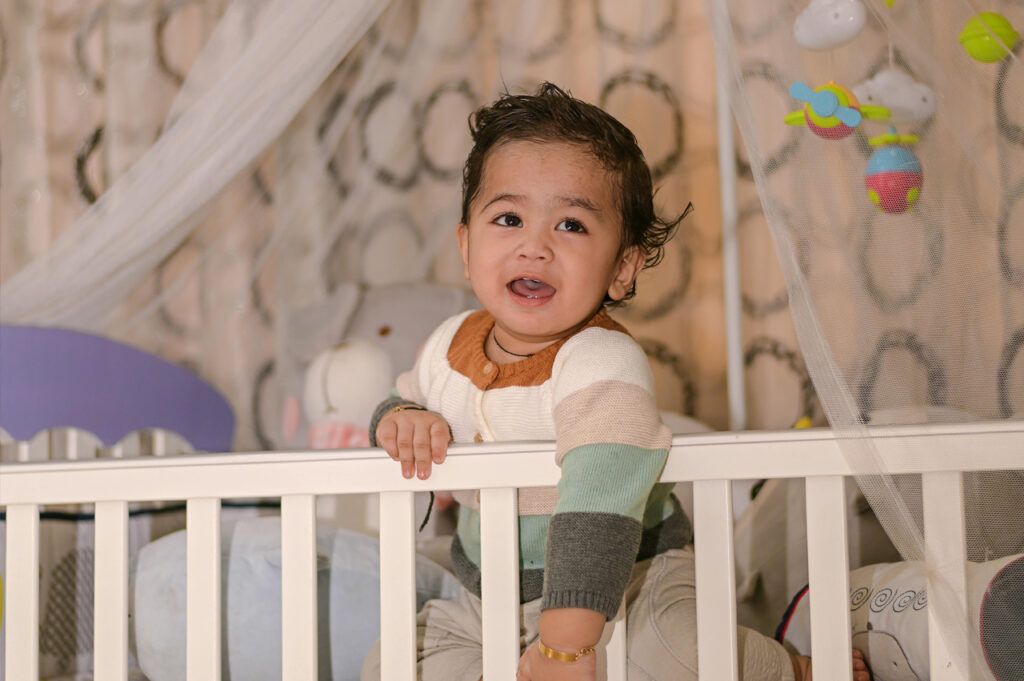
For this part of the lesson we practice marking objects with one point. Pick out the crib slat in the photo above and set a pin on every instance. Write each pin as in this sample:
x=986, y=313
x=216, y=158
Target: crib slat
x=828, y=570
x=65, y=439
x=110, y=615
x=298, y=587
x=398, y=597
x=21, y=592
x=717, y=658
x=499, y=581
x=946, y=546
x=158, y=445
x=202, y=606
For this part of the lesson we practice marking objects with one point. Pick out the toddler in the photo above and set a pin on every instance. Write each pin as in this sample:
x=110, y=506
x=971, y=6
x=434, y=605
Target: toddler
x=557, y=221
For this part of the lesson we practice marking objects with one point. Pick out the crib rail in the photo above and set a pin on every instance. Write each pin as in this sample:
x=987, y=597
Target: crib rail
x=67, y=444
x=940, y=453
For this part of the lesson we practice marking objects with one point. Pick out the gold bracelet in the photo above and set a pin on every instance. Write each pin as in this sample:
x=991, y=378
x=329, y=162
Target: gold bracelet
x=402, y=407
x=562, y=655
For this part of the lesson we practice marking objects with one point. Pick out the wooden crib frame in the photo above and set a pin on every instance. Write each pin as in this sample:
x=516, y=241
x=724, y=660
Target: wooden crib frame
x=939, y=453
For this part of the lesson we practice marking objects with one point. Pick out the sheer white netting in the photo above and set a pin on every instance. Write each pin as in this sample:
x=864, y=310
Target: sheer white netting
x=904, y=316
x=235, y=218
x=310, y=157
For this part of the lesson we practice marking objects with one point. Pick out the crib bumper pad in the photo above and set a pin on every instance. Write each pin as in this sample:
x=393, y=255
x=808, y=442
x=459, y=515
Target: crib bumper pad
x=348, y=601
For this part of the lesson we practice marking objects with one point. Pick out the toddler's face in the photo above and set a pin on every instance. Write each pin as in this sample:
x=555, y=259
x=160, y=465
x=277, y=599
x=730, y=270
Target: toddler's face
x=541, y=249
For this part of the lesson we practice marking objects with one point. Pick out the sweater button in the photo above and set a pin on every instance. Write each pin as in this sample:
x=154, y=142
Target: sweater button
x=488, y=368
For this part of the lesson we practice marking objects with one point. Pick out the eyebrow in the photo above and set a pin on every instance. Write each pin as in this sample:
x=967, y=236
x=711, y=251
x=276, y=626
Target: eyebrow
x=580, y=202
x=514, y=198
x=575, y=201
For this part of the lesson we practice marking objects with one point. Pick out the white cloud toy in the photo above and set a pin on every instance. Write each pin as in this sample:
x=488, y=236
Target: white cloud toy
x=825, y=24
x=909, y=100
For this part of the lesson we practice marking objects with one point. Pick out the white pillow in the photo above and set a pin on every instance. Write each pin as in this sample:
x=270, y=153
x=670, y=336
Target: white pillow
x=348, y=601
x=889, y=618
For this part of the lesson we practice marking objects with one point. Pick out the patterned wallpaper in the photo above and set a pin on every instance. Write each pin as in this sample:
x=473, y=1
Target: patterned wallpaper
x=363, y=187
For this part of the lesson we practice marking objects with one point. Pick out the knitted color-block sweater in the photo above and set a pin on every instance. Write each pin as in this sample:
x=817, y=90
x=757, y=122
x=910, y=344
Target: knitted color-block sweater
x=593, y=394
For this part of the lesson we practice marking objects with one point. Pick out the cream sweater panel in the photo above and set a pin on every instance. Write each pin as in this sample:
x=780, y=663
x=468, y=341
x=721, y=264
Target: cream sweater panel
x=522, y=413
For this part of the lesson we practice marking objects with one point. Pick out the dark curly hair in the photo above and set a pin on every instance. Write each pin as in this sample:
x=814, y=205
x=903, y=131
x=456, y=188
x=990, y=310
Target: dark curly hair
x=553, y=115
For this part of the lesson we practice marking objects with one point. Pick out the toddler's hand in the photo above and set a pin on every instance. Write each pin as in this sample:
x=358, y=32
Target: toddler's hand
x=414, y=437
x=860, y=667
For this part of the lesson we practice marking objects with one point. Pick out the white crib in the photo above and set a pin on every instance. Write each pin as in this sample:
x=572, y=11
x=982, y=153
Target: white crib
x=939, y=453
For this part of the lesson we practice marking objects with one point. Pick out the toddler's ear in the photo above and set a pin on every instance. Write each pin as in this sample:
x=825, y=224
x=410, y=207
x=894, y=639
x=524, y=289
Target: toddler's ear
x=629, y=265
x=463, y=235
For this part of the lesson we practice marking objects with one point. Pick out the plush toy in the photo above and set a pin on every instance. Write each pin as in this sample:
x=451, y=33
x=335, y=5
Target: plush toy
x=370, y=335
x=399, y=317
x=889, y=617
x=826, y=24
x=347, y=351
x=342, y=387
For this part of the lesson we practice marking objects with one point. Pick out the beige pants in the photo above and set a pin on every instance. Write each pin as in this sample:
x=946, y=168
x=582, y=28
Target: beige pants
x=661, y=632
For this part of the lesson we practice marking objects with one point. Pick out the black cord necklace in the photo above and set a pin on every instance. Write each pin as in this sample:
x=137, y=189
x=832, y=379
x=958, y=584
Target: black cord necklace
x=507, y=352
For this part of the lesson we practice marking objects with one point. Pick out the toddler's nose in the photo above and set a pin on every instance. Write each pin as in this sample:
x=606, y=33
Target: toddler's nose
x=534, y=245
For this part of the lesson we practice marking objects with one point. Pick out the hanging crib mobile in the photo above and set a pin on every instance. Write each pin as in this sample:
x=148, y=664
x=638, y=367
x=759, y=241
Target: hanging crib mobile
x=826, y=24
x=831, y=111
x=893, y=175
x=909, y=100
x=988, y=37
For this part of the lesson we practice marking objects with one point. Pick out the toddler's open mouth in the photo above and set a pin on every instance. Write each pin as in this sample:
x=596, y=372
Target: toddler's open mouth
x=534, y=289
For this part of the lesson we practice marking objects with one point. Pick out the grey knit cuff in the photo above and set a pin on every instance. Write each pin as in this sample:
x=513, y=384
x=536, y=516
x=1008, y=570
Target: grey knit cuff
x=531, y=580
x=383, y=408
x=588, y=560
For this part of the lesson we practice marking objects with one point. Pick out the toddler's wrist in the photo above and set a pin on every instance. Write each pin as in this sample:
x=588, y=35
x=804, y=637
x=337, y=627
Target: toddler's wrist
x=408, y=406
x=563, y=655
x=570, y=630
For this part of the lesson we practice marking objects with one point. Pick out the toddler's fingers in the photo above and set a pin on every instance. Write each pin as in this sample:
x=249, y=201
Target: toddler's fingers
x=860, y=667
x=387, y=432
x=406, y=449
x=421, y=449
x=439, y=438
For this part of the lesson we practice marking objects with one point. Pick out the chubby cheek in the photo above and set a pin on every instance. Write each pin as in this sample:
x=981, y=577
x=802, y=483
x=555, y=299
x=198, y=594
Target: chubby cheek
x=484, y=269
x=483, y=280
x=488, y=283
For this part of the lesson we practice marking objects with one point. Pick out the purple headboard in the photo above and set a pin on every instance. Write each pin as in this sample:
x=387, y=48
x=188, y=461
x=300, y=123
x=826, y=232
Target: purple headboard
x=52, y=377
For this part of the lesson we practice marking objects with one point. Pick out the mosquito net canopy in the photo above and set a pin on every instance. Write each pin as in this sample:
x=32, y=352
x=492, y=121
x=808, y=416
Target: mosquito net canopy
x=226, y=184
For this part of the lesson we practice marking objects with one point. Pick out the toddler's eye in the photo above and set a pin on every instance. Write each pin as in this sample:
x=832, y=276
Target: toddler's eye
x=570, y=225
x=508, y=220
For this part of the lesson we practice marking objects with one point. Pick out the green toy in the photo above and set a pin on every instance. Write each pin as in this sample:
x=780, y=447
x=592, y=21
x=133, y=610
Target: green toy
x=988, y=37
